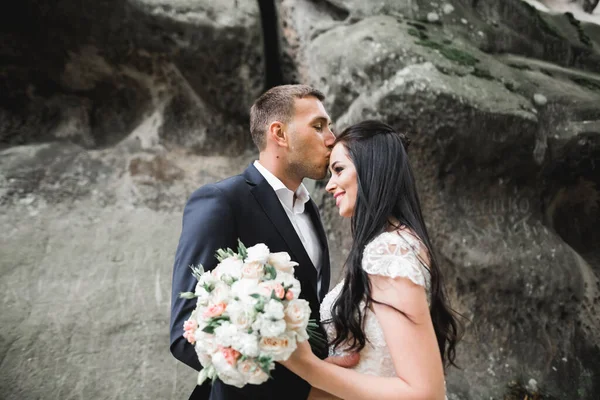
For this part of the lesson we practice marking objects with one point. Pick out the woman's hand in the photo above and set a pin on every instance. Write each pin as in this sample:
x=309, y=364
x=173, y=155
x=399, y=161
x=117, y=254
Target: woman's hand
x=300, y=358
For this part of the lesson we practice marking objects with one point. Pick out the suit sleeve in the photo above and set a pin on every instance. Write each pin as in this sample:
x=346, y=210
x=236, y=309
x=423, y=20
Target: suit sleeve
x=208, y=224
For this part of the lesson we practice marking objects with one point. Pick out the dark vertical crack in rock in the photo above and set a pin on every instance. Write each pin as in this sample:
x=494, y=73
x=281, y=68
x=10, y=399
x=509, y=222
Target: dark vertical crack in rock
x=273, y=68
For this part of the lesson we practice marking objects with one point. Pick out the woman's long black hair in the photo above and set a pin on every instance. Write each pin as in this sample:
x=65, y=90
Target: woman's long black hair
x=386, y=188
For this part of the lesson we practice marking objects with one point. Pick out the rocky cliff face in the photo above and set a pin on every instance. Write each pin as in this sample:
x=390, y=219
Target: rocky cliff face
x=112, y=112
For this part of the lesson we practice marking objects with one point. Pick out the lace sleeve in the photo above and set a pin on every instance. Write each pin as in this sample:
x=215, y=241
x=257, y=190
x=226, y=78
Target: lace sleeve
x=395, y=255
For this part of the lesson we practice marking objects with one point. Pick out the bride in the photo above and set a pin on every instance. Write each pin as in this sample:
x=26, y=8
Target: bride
x=390, y=308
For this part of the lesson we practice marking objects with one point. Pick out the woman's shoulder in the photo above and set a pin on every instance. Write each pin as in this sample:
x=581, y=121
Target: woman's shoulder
x=398, y=254
x=397, y=241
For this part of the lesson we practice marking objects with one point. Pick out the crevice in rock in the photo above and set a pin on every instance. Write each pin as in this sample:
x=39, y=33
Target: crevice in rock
x=273, y=65
x=590, y=5
x=336, y=12
x=571, y=196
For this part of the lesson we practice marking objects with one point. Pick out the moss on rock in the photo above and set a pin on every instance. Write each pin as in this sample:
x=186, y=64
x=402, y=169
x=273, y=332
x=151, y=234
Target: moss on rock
x=451, y=53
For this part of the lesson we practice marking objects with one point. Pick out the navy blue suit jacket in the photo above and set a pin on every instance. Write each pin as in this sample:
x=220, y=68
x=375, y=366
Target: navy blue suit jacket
x=242, y=207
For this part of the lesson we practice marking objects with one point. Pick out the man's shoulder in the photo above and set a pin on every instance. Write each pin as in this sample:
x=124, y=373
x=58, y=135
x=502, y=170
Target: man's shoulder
x=228, y=186
x=231, y=183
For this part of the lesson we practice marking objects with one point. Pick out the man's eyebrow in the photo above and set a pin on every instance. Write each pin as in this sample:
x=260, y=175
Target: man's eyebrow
x=321, y=117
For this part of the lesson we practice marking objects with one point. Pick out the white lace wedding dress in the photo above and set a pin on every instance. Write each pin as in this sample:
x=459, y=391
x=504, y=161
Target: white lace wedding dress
x=391, y=254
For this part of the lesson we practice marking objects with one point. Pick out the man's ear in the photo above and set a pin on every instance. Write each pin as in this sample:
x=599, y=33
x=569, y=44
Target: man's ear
x=277, y=132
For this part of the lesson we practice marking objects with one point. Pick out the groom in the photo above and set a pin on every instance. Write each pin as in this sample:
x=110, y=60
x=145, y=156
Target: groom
x=268, y=204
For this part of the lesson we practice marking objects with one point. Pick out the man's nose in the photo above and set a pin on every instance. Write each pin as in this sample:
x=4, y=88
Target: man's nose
x=329, y=138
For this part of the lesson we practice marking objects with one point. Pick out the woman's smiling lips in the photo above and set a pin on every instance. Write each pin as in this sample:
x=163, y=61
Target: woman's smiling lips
x=338, y=197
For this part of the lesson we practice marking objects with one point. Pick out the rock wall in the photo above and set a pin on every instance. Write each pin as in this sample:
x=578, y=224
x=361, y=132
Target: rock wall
x=113, y=111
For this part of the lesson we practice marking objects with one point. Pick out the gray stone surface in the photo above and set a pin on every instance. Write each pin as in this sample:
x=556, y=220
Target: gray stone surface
x=509, y=186
x=86, y=258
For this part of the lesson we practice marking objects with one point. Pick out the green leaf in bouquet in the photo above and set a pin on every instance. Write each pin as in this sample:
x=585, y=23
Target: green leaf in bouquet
x=270, y=272
x=197, y=271
x=209, y=287
x=223, y=254
x=209, y=329
x=218, y=321
x=315, y=337
x=260, y=302
x=202, y=376
x=228, y=279
x=187, y=295
x=207, y=373
x=265, y=362
x=274, y=296
x=242, y=250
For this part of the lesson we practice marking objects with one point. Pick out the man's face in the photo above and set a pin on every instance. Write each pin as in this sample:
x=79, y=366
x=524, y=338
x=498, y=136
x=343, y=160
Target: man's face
x=310, y=139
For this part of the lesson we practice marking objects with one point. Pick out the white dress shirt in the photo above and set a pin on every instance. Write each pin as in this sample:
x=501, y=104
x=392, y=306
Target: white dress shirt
x=298, y=216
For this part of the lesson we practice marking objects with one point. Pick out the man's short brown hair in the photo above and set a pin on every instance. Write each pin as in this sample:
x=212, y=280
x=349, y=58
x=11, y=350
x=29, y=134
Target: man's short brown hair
x=276, y=104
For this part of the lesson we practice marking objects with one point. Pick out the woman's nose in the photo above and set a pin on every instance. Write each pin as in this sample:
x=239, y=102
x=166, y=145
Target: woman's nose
x=330, y=185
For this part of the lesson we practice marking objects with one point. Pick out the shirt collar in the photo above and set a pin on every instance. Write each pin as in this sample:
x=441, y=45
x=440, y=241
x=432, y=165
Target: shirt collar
x=285, y=195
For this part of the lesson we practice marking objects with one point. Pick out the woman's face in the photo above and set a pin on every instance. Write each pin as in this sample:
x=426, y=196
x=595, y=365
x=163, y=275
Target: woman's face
x=343, y=183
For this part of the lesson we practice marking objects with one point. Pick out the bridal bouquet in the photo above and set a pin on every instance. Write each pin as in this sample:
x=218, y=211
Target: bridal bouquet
x=248, y=315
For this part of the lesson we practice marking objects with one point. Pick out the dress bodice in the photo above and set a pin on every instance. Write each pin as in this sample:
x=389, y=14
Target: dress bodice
x=392, y=254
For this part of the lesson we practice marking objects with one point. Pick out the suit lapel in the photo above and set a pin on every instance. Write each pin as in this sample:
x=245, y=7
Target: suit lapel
x=325, y=267
x=268, y=200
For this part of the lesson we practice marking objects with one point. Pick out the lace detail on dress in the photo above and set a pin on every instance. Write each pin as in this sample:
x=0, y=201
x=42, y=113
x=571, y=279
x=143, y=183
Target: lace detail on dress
x=392, y=254
x=395, y=254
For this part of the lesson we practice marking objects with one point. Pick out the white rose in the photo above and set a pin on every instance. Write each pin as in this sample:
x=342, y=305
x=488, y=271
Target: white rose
x=247, y=344
x=226, y=334
x=207, y=278
x=226, y=372
x=274, y=309
x=205, y=341
x=253, y=270
x=282, y=262
x=244, y=288
x=297, y=314
x=241, y=314
x=204, y=357
x=205, y=346
x=252, y=373
x=231, y=266
x=280, y=348
x=268, y=327
x=202, y=294
x=258, y=253
x=221, y=293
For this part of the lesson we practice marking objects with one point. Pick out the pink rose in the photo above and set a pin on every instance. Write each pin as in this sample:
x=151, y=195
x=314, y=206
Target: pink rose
x=231, y=355
x=279, y=291
x=270, y=286
x=289, y=295
x=189, y=328
x=215, y=310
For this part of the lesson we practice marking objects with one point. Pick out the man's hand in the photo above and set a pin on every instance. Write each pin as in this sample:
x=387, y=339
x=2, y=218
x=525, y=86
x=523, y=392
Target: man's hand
x=347, y=361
